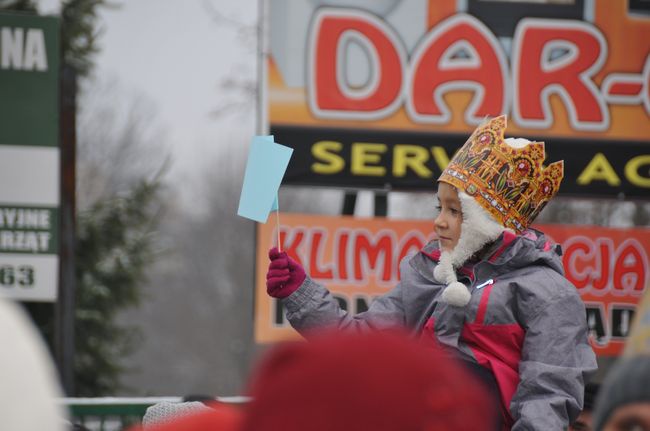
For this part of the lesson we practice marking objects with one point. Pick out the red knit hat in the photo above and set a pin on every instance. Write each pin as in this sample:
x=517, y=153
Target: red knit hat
x=356, y=382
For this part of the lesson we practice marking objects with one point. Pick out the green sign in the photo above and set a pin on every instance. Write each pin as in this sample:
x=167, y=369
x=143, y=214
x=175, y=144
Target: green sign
x=29, y=157
x=29, y=80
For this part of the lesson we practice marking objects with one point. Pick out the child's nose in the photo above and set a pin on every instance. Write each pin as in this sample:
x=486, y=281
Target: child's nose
x=439, y=222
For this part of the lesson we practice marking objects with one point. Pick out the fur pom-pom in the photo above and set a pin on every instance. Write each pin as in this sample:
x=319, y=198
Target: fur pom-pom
x=456, y=294
x=444, y=271
x=440, y=274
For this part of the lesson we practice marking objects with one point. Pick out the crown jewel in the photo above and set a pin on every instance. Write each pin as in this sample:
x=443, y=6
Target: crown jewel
x=510, y=183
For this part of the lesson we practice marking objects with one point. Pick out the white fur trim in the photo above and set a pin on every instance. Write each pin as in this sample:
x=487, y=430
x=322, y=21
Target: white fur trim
x=478, y=229
x=456, y=294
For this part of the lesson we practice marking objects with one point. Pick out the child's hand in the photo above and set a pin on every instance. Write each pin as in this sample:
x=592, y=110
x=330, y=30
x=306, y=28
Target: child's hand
x=284, y=276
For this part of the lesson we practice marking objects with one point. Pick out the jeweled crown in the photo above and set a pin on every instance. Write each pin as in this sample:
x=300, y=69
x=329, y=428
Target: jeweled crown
x=510, y=183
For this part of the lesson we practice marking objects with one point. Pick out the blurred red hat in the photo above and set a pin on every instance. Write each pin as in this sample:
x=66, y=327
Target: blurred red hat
x=373, y=381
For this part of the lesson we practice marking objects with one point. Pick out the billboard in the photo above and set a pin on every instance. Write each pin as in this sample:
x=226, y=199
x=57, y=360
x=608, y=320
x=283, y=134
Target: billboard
x=379, y=94
x=29, y=157
x=358, y=259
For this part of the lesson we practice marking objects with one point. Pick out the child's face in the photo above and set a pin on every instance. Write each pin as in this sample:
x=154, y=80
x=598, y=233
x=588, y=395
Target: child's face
x=450, y=217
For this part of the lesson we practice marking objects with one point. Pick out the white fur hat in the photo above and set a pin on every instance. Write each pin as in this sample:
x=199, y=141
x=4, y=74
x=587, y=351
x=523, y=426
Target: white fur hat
x=477, y=229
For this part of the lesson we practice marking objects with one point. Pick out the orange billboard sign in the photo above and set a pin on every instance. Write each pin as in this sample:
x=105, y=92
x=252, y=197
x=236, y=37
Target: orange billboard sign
x=358, y=259
x=556, y=75
x=358, y=85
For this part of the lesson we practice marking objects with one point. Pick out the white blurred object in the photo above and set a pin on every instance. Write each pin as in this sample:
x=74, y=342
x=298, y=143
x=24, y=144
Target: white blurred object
x=29, y=387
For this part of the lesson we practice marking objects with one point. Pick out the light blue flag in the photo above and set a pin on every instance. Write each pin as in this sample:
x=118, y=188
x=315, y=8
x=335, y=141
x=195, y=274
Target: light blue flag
x=267, y=162
x=275, y=205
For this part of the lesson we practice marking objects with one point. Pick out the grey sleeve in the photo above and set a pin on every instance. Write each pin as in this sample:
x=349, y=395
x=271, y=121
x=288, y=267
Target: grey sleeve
x=556, y=357
x=312, y=306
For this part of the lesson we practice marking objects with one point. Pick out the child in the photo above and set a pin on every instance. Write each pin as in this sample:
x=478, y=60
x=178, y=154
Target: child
x=489, y=290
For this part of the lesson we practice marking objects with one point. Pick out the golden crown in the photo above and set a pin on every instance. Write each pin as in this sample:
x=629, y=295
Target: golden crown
x=510, y=183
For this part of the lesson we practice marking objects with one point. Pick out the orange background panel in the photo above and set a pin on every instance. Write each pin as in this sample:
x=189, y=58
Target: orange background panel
x=267, y=331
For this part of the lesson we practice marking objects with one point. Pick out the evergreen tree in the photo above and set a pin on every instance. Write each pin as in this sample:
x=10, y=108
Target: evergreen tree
x=18, y=5
x=79, y=33
x=115, y=243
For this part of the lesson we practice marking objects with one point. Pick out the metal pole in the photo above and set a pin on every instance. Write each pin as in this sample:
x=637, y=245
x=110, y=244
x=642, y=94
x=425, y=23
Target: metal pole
x=349, y=203
x=261, y=123
x=381, y=204
x=65, y=305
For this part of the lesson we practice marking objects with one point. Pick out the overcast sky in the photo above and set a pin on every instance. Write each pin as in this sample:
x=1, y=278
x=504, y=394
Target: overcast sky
x=175, y=54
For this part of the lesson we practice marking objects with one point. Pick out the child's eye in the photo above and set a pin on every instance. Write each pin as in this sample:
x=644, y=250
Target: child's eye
x=454, y=211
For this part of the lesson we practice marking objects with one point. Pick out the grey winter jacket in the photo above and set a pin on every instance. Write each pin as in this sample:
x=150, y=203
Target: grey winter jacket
x=525, y=322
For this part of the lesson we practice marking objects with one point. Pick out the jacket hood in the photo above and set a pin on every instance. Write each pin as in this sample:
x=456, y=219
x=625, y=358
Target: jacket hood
x=531, y=247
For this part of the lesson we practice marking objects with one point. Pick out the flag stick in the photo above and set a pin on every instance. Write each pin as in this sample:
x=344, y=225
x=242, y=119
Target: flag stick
x=277, y=216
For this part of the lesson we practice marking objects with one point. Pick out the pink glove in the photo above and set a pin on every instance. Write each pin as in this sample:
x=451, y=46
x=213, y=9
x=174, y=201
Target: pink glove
x=284, y=276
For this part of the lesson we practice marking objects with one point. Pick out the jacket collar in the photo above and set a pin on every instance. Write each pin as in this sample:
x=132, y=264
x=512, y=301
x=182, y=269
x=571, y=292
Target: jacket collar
x=491, y=253
x=434, y=254
x=508, y=248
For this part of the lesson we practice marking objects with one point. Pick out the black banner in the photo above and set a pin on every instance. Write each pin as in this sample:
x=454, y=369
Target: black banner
x=380, y=159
